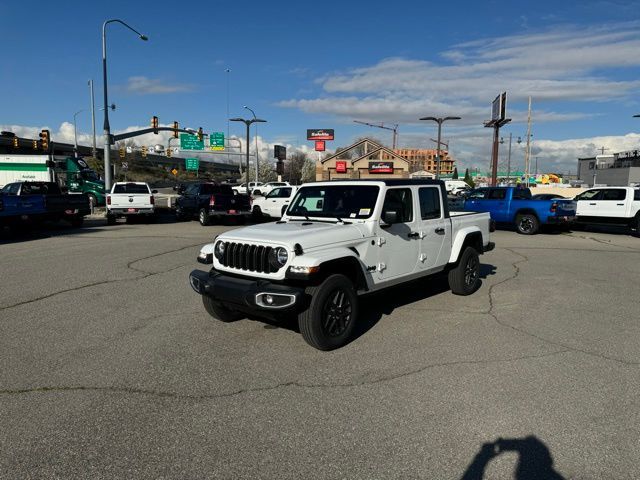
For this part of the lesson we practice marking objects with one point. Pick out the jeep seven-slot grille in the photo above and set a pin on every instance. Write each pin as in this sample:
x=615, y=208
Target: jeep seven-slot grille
x=254, y=258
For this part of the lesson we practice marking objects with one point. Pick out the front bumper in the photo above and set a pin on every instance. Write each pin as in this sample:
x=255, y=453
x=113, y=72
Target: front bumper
x=248, y=295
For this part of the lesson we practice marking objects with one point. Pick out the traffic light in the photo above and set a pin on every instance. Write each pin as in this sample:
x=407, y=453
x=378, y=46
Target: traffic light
x=15, y=142
x=200, y=134
x=175, y=130
x=121, y=152
x=144, y=151
x=154, y=124
x=168, y=152
x=45, y=137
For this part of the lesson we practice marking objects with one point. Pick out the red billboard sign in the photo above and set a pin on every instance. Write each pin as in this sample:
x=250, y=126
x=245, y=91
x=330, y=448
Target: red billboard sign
x=380, y=167
x=320, y=134
x=341, y=166
x=319, y=145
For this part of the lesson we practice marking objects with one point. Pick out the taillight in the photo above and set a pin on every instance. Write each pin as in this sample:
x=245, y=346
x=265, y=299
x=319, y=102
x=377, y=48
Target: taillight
x=152, y=200
x=108, y=199
x=212, y=201
x=554, y=207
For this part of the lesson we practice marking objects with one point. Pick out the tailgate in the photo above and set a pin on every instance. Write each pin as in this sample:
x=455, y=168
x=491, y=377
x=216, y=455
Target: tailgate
x=131, y=200
x=565, y=207
x=224, y=203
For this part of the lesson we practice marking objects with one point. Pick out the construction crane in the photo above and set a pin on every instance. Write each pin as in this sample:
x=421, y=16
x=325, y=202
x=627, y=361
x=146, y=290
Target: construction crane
x=381, y=125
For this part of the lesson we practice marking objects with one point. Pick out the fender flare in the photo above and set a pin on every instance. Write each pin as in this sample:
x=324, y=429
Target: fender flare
x=464, y=234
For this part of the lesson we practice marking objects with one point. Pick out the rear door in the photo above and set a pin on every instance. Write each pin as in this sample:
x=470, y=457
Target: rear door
x=276, y=200
x=613, y=203
x=435, y=229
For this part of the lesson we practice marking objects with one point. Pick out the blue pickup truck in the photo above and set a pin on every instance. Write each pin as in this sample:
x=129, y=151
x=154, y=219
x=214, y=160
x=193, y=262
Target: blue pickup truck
x=514, y=206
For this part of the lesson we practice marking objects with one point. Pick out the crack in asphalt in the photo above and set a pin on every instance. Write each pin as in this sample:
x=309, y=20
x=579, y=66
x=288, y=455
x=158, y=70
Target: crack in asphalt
x=292, y=383
x=599, y=240
x=145, y=274
x=492, y=307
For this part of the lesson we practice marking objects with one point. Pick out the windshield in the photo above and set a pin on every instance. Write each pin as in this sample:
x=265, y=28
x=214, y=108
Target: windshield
x=339, y=201
x=90, y=175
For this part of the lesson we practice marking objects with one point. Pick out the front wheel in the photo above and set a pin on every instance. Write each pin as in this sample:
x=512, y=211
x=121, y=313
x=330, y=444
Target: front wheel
x=219, y=311
x=329, y=320
x=464, y=278
x=527, y=224
x=203, y=217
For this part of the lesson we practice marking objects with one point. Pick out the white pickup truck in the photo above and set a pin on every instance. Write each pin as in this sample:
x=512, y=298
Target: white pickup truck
x=336, y=241
x=130, y=200
x=242, y=188
x=609, y=205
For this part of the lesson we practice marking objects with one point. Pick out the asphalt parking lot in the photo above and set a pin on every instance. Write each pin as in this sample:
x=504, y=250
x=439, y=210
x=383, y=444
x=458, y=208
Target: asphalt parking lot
x=110, y=368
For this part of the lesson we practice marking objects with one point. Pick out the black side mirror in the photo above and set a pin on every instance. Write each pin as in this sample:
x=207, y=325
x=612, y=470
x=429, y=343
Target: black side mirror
x=154, y=191
x=390, y=217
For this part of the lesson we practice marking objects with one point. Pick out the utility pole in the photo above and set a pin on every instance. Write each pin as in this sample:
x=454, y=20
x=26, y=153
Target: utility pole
x=527, y=152
x=381, y=125
x=509, y=157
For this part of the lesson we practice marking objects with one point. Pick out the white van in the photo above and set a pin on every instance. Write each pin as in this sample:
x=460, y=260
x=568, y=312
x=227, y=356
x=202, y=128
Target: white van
x=455, y=187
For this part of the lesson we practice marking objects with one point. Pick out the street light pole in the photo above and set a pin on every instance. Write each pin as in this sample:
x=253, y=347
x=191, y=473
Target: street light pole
x=439, y=121
x=93, y=119
x=254, y=116
x=248, y=124
x=75, y=134
x=107, y=127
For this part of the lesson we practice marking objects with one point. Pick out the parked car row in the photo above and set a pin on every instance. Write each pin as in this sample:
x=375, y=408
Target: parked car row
x=528, y=213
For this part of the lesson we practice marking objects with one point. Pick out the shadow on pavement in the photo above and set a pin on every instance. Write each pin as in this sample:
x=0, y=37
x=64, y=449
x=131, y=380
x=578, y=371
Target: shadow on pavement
x=386, y=301
x=534, y=461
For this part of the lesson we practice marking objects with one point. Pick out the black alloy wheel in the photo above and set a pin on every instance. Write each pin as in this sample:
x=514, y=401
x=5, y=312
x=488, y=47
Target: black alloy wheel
x=336, y=313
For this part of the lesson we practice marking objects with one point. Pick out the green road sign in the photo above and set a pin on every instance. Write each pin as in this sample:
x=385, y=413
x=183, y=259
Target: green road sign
x=190, y=142
x=216, y=141
x=191, y=163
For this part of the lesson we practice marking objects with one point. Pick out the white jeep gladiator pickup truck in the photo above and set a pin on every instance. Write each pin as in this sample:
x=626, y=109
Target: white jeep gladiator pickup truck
x=338, y=240
x=130, y=199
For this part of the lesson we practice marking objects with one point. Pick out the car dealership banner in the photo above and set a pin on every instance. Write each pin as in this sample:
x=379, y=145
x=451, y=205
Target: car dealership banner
x=320, y=134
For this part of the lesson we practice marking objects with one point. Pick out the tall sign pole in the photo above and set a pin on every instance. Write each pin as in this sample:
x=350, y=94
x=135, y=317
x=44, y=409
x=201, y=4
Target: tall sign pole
x=527, y=153
x=498, y=114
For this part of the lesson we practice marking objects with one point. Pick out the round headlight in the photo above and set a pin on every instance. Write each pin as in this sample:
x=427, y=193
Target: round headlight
x=281, y=256
x=219, y=249
x=278, y=257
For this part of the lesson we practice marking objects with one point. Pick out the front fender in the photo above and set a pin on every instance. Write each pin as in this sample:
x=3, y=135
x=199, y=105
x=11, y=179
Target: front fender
x=314, y=259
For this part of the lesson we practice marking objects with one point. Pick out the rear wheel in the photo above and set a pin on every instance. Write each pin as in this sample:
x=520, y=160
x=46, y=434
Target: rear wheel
x=464, y=278
x=203, y=217
x=527, y=224
x=76, y=222
x=219, y=311
x=111, y=219
x=256, y=213
x=329, y=321
x=635, y=226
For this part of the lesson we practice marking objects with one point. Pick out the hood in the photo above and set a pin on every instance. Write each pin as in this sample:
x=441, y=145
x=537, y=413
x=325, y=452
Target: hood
x=309, y=234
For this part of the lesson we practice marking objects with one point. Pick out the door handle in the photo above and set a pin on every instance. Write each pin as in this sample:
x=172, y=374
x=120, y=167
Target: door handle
x=413, y=235
x=440, y=231
x=592, y=204
x=620, y=204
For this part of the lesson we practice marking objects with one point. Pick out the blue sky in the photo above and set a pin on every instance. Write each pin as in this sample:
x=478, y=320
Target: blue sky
x=323, y=64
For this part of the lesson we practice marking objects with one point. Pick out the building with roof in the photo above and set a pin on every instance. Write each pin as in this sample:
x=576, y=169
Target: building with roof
x=618, y=169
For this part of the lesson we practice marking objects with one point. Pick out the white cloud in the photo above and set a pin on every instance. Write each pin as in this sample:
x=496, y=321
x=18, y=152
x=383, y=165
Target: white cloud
x=146, y=86
x=568, y=64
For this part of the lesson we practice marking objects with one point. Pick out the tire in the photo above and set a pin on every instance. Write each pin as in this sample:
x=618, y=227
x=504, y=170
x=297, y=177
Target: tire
x=527, y=224
x=464, y=278
x=111, y=219
x=635, y=226
x=329, y=320
x=93, y=200
x=256, y=213
x=219, y=311
x=203, y=217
